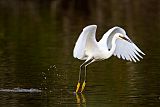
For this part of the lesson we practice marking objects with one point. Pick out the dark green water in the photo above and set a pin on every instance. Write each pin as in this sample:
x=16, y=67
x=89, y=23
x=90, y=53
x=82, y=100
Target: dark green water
x=37, y=68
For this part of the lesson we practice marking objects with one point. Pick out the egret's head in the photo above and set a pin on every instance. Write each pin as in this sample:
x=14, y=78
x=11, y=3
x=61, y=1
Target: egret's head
x=121, y=36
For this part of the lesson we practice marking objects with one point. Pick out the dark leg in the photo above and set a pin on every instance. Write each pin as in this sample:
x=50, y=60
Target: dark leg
x=78, y=85
x=84, y=82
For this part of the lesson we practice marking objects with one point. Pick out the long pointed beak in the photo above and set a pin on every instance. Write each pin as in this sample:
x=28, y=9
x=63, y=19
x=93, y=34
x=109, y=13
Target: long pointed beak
x=126, y=39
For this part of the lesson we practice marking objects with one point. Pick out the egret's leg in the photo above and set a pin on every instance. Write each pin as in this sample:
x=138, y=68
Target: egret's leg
x=84, y=82
x=80, y=70
x=79, y=80
x=78, y=85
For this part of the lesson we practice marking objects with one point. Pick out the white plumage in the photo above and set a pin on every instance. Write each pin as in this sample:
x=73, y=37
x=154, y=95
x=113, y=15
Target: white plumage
x=87, y=46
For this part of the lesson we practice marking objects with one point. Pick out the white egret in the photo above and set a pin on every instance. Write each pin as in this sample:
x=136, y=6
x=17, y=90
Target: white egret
x=114, y=42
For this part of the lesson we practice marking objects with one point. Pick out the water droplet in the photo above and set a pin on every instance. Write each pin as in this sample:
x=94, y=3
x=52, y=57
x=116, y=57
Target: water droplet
x=43, y=73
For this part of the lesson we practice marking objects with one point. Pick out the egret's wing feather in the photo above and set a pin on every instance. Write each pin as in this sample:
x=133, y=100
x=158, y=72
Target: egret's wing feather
x=127, y=50
x=85, y=41
x=124, y=49
x=79, y=48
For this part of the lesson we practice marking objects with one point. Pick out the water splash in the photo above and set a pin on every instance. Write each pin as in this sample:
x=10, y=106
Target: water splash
x=21, y=90
x=52, y=67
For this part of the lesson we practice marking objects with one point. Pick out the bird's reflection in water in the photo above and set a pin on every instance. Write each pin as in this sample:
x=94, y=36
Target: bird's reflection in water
x=81, y=100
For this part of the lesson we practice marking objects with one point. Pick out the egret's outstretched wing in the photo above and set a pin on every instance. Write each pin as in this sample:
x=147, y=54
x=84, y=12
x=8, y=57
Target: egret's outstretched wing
x=124, y=49
x=127, y=50
x=85, y=42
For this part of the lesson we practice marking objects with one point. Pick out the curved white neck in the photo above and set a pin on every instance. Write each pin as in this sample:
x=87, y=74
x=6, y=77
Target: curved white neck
x=113, y=46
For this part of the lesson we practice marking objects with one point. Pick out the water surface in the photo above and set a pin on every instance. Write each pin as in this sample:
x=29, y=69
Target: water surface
x=37, y=68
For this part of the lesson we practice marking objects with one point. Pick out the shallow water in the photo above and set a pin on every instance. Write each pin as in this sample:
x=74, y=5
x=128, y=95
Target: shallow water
x=37, y=68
